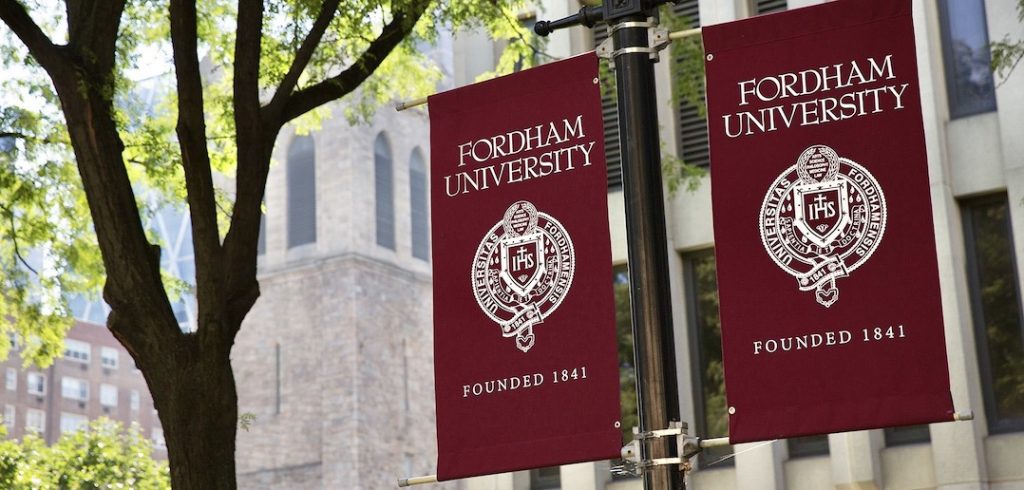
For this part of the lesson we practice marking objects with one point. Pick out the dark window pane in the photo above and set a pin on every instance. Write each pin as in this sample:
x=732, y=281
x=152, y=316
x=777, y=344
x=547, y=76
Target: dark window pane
x=801, y=447
x=693, y=128
x=624, y=332
x=301, y=183
x=966, y=53
x=911, y=434
x=543, y=478
x=384, y=185
x=418, y=205
x=995, y=301
x=627, y=374
x=769, y=6
x=693, y=131
x=609, y=111
x=706, y=353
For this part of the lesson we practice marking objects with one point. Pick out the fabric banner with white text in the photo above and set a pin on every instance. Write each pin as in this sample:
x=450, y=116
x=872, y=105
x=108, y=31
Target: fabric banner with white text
x=827, y=270
x=525, y=353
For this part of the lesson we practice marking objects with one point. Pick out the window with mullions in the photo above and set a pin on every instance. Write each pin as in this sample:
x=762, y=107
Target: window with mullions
x=996, y=308
x=965, y=50
x=77, y=350
x=706, y=353
x=36, y=383
x=74, y=388
x=109, y=357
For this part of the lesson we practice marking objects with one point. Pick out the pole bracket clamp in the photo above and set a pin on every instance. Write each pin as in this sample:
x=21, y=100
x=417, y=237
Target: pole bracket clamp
x=632, y=459
x=657, y=37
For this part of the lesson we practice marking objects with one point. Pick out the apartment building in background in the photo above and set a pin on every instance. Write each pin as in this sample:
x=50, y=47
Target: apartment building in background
x=95, y=377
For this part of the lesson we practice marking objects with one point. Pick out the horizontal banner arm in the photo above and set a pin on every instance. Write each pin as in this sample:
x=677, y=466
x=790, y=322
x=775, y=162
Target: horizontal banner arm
x=417, y=480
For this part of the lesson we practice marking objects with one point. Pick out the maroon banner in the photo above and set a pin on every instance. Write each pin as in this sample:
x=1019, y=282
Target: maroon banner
x=827, y=272
x=525, y=356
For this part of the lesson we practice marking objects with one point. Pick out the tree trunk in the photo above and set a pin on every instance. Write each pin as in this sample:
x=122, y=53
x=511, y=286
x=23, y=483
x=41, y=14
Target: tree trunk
x=197, y=402
x=188, y=375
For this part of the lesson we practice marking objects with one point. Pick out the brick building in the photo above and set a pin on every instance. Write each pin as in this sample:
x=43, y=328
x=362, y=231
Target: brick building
x=94, y=378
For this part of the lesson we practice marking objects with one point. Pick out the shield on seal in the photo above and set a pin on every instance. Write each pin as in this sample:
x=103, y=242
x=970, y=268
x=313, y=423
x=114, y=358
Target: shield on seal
x=821, y=211
x=522, y=262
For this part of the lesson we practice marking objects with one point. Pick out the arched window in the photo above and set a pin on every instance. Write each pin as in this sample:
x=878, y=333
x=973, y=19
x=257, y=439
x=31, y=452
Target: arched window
x=383, y=171
x=301, y=174
x=418, y=205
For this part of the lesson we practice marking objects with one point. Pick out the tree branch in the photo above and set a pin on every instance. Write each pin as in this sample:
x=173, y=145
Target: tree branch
x=247, y=62
x=14, y=239
x=191, y=130
x=255, y=140
x=304, y=54
x=39, y=45
x=254, y=154
x=338, y=86
x=81, y=74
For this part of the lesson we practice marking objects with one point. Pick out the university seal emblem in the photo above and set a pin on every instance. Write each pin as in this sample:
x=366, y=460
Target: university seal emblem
x=522, y=271
x=821, y=219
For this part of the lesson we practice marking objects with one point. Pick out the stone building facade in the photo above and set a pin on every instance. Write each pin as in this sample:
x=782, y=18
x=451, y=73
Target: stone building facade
x=335, y=359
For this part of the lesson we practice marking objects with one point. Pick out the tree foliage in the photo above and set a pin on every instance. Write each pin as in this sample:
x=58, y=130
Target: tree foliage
x=1007, y=52
x=687, y=65
x=43, y=209
x=105, y=455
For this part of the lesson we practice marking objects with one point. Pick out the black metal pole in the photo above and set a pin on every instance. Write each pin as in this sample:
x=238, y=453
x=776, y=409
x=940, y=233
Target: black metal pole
x=653, y=345
x=653, y=339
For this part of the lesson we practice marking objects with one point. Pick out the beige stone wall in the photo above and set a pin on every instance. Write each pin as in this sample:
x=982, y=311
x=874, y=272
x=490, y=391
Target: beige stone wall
x=349, y=322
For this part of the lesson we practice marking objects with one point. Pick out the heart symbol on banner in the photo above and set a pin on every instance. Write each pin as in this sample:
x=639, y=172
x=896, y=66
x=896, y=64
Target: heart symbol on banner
x=827, y=297
x=524, y=342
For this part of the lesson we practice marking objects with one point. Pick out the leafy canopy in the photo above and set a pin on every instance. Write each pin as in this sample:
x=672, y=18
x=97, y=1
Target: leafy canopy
x=48, y=250
x=1007, y=52
x=104, y=455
